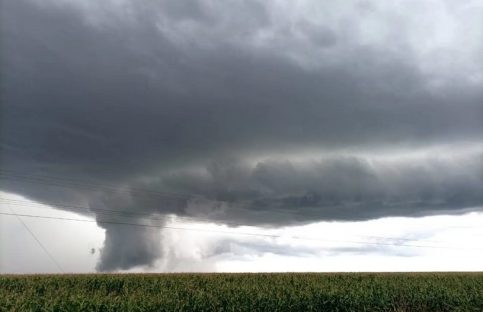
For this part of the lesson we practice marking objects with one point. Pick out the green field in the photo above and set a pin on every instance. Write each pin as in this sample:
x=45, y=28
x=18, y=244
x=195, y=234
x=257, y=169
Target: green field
x=244, y=292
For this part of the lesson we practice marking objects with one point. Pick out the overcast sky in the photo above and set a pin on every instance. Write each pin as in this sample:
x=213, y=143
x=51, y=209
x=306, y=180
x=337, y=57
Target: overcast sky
x=303, y=118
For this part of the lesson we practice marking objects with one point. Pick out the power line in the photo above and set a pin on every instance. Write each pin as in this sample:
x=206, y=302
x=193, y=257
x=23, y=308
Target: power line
x=145, y=216
x=139, y=192
x=38, y=241
x=55, y=181
x=239, y=233
x=192, y=219
x=134, y=214
x=124, y=213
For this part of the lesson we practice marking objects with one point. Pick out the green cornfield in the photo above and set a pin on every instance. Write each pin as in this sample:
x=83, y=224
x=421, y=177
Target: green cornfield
x=244, y=292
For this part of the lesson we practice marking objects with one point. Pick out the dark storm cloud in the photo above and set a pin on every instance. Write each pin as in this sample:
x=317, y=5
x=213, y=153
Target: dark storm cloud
x=341, y=188
x=129, y=246
x=136, y=95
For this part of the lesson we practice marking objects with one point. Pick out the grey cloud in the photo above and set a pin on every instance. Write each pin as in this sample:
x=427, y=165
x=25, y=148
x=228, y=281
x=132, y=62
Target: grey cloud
x=136, y=96
x=320, y=36
x=340, y=188
x=127, y=246
x=234, y=248
x=242, y=247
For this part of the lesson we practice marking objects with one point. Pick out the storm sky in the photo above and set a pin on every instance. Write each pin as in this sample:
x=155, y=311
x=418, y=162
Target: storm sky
x=255, y=113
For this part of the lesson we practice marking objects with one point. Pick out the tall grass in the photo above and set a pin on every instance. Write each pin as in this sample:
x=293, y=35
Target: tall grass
x=243, y=292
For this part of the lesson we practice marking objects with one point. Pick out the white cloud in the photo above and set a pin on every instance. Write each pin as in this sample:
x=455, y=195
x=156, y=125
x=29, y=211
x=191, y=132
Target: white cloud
x=440, y=243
